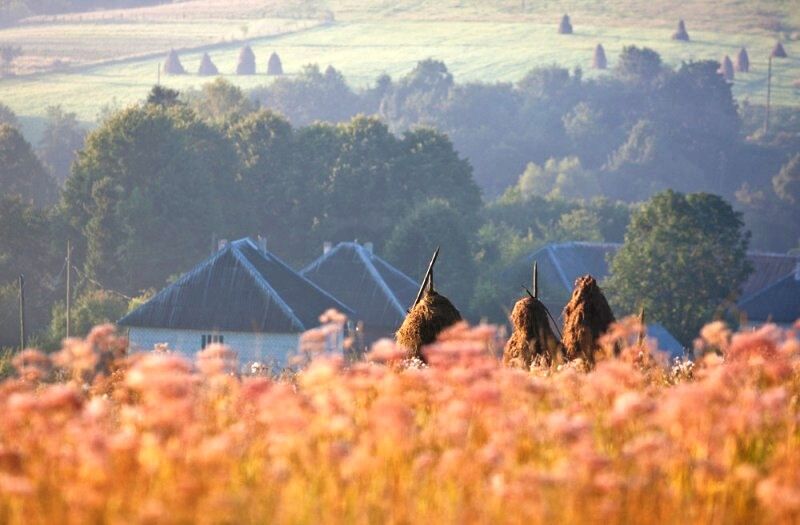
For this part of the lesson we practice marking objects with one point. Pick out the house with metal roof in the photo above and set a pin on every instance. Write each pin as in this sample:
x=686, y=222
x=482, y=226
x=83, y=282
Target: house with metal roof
x=376, y=291
x=242, y=296
x=777, y=303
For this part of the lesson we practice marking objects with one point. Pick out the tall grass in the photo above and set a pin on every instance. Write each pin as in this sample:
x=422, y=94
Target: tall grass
x=157, y=438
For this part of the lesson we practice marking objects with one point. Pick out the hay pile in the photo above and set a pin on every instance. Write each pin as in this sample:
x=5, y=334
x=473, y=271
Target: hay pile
x=274, y=65
x=207, y=67
x=586, y=317
x=778, y=51
x=172, y=65
x=532, y=337
x=600, y=61
x=565, y=27
x=681, y=33
x=247, y=62
x=426, y=320
x=726, y=69
x=743, y=61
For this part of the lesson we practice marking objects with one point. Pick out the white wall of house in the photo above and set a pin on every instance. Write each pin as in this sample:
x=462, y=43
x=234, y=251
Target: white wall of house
x=271, y=349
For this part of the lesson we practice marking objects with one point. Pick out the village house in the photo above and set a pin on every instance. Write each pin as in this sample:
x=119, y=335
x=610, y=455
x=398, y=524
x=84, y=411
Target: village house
x=242, y=296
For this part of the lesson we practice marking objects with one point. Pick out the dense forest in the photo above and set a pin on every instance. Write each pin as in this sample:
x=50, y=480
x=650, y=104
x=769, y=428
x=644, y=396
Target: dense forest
x=487, y=171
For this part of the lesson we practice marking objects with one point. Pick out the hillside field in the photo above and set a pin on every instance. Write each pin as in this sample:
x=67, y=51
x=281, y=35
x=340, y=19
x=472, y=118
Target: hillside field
x=477, y=44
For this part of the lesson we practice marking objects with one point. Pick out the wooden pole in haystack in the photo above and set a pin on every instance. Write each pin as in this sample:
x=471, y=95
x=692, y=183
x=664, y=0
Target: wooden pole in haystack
x=69, y=263
x=642, y=328
x=428, y=276
x=21, y=312
x=535, y=280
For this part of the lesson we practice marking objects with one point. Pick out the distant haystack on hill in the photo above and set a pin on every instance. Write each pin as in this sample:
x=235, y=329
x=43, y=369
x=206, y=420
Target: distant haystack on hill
x=778, y=51
x=207, y=67
x=600, y=61
x=681, y=33
x=172, y=65
x=726, y=69
x=247, y=62
x=274, y=66
x=565, y=27
x=743, y=61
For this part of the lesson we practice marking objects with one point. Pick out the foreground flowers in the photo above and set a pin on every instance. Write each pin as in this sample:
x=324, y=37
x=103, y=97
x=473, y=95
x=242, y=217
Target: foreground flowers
x=93, y=436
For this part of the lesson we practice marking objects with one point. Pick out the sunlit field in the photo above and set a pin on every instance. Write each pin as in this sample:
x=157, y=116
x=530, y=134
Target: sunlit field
x=93, y=436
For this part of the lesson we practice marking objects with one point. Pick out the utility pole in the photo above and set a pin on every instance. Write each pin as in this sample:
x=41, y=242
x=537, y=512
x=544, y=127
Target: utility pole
x=21, y=312
x=769, y=87
x=69, y=271
x=158, y=75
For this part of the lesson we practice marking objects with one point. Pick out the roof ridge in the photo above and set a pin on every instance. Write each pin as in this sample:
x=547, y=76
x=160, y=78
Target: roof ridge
x=360, y=250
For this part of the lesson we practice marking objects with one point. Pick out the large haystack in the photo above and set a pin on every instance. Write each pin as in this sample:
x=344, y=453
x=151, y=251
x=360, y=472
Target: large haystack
x=207, y=67
x=726, y=69
x=274, y=65
x=565, y=27
x=743, y=61
x=586, y=317
x=426, y=320
x=599, y=61
x=532, y=337
x=681, y=33
x=172, y=65
x=778, y=51
x=247, y=62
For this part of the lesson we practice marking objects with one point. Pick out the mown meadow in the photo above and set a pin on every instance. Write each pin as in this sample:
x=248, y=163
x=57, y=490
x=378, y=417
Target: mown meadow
x=92, y=435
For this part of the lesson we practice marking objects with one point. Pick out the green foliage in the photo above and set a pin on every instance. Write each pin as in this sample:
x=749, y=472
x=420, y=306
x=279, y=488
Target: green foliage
x=60, y=142
x=787, y=182
x=163, y=96
x=563, y=178
x=639, y=65
x=21, y=172
x=7, y=116
x=683, y=261
x=220, y=101
x=92, y=308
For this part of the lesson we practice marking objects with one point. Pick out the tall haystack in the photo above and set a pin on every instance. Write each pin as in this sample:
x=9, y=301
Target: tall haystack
x=726, y=69
x=172, y=65
x=778, y=51
x=742, y=61
x=532, y=337
x=681, y=33
x=586, y=317
x=600, y=61
x=207, y=67
x=247, y=62
x=426, y=320
x=565, y=27
x=274, y=65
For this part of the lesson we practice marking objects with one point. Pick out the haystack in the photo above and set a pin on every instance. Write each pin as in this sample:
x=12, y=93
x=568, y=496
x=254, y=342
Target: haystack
x=247, y=62
x=600, y=61
x=565, y=27
x=172, y=65
x=532, y=337
x=681, y=33
x=586, y=317
x=726, y=69
x=207, y=67
x=274, y=65
x=778, y=51
x=426, y=320
x=743, y=61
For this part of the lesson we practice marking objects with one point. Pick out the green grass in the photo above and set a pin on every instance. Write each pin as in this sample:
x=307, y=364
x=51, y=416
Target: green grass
x=478, y=43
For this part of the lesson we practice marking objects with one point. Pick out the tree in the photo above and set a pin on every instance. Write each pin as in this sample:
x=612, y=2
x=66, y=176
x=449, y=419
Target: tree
x=163, y=96
x=683, y=261
x=60, y=142
x=21, y=172
x=7, y=116
x=91, y=308
x=8, y=53
x=564, y=178
x=787, y=182
x=220, y=101
x=639, y=65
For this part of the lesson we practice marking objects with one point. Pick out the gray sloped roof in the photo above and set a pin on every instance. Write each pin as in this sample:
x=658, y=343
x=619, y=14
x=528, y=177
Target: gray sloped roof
x=779, y=302
x=378, y=292
x=666, y=341
x=239, y=288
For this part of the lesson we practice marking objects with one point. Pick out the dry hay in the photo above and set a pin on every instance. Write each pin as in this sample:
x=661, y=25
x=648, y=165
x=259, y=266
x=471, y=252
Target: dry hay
x=586, y=317
x=172, y=65
x=681, y=33
x=599, y=61
x=778, y=51
x=565, y=27
x=532, y=337
x=743, y=61
x=247, y=62
x=726, y=69
x=274, y=65
x=426, y=320
x=207, y=67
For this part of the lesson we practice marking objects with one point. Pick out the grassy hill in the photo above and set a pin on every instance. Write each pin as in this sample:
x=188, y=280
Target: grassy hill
x=117, y=52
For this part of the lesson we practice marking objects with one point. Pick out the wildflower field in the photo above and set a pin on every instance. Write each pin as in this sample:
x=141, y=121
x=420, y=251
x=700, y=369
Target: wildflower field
x=90, y=435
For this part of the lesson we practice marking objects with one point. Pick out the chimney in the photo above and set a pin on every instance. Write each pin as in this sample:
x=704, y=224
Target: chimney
x=369, y=247
x=221, y=244
x=262, y=244
x=326, y=247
